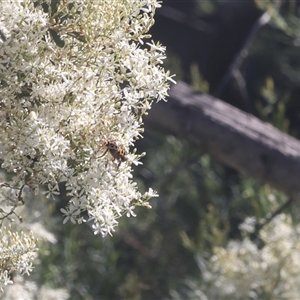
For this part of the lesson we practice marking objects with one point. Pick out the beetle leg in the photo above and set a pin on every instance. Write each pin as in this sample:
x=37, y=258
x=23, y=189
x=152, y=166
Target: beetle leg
x=119, y=164
x=103, y=153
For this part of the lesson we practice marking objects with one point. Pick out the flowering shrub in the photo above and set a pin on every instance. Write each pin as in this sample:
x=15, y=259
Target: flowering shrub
x=243, y=270
x=75, y=77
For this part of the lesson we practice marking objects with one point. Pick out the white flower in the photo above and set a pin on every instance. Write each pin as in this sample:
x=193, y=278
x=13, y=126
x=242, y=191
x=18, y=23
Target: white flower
x=248, y=225
x=5, y=278
x=71, y=214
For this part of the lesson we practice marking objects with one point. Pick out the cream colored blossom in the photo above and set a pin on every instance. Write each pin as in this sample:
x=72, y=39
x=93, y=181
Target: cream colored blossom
x=73, y=76
x=244, y=270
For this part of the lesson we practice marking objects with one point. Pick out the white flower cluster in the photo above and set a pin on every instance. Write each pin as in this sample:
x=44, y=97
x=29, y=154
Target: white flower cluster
x=28, y=237
x=75, y=79
x=18, y=250
x=244, y=271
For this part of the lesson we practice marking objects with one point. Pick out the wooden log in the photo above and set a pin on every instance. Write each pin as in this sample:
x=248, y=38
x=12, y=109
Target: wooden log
x=233, y=137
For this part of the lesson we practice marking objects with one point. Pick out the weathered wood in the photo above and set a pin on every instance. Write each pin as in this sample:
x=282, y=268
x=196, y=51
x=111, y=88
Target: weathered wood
x=235, y=138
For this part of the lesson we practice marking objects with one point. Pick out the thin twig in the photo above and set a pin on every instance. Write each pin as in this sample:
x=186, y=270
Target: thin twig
x=234, y=68
x=270, y=217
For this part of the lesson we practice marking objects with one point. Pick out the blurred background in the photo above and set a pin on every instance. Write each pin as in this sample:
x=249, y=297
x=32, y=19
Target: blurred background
x=245, y=53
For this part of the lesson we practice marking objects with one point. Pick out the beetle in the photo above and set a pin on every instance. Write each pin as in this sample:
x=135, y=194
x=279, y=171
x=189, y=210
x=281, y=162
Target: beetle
x=117, y=151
